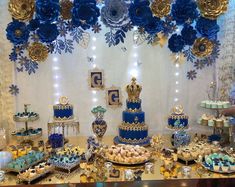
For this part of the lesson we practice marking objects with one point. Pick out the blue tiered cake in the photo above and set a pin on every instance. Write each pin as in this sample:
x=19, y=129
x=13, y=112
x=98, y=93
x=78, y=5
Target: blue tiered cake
x=133, y=129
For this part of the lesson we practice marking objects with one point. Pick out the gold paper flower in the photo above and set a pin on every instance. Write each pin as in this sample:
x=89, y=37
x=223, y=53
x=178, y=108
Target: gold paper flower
x=22, y=10
x=161, y=8
x=202, y=47
x=38, y=52
x=211, y=9
x=66, y=7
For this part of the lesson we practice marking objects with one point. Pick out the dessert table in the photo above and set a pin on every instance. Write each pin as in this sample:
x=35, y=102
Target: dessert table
x=150, y=179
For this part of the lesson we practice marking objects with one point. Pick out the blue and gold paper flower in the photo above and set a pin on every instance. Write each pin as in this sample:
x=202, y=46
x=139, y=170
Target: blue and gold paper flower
x=189, y=35
x=140, y=12
x=47, y=10
x=115, y=14
x=207, y=28
x=176, y=43
x=17, y=32
x=85, y=13
x=184, y=10
x=47, y=32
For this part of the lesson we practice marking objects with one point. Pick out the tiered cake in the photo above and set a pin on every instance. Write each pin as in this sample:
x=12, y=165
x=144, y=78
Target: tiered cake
x=177, y=119
x=63, y=110
x=133, y=129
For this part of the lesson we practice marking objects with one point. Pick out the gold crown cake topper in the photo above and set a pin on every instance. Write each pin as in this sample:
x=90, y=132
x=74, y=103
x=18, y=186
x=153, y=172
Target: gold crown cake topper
x=133, y=90
x=64, y=100
x=178, y=109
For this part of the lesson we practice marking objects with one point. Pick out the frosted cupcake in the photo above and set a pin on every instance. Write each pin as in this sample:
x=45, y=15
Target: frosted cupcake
x=211, y=123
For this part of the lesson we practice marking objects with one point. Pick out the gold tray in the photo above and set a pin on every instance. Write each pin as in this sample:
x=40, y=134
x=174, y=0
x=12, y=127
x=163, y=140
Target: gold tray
x=29, y=180
x=27, y=119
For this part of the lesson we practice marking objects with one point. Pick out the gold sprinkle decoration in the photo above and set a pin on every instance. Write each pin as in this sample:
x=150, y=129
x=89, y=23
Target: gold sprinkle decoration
x=211, y=9
x=202, y=47
x=38, y=52
x=161, y=8
x=66, y=7
x=22, y=10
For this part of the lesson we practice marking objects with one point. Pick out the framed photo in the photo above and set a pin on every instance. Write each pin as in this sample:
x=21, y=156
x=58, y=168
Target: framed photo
x=96, y=79
x=113, y=97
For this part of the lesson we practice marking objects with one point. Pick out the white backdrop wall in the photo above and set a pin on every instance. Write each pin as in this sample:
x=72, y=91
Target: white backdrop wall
x=67, y=74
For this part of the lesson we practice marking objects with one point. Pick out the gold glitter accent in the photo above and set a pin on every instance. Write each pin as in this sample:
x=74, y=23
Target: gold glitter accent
x=202, y=47
x=38, y=52
x=22, y=10
x=66, y=7
x=161, y=8
x=211, y=9
x=18, y=33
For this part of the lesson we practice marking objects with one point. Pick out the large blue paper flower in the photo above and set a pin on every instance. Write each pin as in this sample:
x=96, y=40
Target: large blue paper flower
x=189, y=35
x=140, y=12
x=176, y=43
x=33, y=24
x=154, y=25
x=85, y=13
x=206, y=27
x=17, y=32
x=184, y=10
x=47, y=32
x=47, y=10
x=115, y=13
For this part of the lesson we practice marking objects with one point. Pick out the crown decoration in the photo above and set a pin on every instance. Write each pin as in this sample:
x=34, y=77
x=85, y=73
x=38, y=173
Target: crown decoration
x=133, y=90
x=178, y=109
x=64, y=100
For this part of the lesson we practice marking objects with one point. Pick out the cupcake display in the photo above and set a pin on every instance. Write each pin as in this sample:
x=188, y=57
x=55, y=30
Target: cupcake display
x=67, y=158
x=212, y=121
x=215, y=104
x=25, y=162
x=220, y=163
x=35, y=172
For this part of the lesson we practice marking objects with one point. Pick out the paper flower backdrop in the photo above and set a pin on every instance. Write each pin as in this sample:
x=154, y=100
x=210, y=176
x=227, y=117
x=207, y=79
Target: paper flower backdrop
x=40, y=27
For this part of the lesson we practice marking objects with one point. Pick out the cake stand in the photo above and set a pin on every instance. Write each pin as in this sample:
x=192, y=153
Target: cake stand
x=53, y=124
x=27, y=138
x=217, y=112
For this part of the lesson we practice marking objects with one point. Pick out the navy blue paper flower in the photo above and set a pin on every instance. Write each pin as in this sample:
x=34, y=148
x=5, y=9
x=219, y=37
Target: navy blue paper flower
x=176, y=43
x=184, y=10
x=85, y=13
x=140, y=12
x=189, y=35
x=33, y=24
x=206, y=27
x=115, y=13
x=47, y=10
x=154, y=25
x=17, y=32
x=13, y=89
x=47, y=32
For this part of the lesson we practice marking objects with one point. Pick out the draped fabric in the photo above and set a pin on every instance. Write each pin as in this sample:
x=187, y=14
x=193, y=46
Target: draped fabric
x=155, y=71
x=7, y=102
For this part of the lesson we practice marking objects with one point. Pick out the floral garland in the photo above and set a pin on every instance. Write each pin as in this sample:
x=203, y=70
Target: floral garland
x=40, y=27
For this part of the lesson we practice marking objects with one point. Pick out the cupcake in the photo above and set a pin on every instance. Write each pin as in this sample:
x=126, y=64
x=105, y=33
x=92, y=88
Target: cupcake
x=225, y=168
x=216, y=167
x=232, y=166
x=211, y=123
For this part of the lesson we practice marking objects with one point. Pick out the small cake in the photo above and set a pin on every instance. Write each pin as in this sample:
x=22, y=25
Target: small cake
x=216, y=167
x=63, y=110
x=178, y=120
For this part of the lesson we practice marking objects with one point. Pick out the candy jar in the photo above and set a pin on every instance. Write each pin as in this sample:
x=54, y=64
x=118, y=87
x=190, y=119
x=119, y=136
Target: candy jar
x=180, y=138
x=99, y=126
